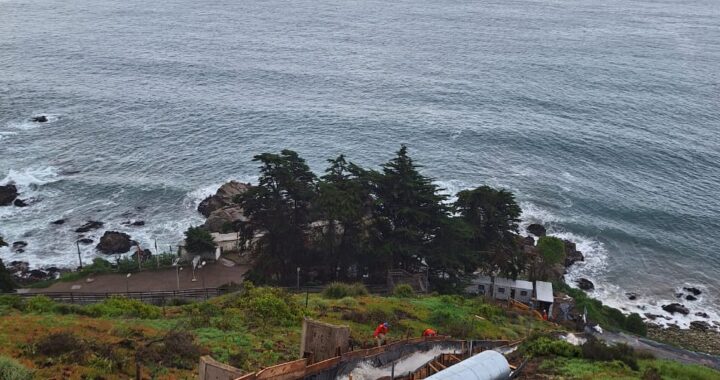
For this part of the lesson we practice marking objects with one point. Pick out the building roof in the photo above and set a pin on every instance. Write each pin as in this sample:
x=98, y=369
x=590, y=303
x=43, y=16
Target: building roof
x=544, y=291
x=501, y=281
x=218, y=237
x=522, y=284
x=481, y=280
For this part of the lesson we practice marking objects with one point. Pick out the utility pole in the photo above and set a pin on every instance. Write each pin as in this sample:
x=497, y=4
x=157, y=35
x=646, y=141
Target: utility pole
x=77, y=243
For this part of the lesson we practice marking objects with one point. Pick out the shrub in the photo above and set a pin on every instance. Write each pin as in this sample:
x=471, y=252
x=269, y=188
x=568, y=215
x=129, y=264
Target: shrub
x=404, y=291
x=594, y=349
x=198, y=240
x=545, y=346
x=337, y=290
x=176, y=349
x=348, y=302
x=10, y=369
x=264, y=306
x=635, y=324
x=63, y=345
x=118, y=306
x=14, y=302
x=39, y=304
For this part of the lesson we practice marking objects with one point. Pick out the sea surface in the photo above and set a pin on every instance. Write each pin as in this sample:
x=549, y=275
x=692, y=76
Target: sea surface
x=602, y=116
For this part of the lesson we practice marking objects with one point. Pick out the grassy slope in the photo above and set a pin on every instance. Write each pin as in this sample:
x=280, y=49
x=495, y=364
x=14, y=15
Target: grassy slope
x=582, y=369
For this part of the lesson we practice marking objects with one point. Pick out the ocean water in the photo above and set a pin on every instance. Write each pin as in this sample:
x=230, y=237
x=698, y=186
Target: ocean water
x=603, y=117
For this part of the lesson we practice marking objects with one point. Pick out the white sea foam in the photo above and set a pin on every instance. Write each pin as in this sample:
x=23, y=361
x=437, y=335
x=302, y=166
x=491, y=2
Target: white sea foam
x=27, y=124
x=366, y=371
x=32, y=177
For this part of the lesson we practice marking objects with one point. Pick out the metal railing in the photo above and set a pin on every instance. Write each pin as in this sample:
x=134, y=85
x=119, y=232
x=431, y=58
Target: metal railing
x=155, y=297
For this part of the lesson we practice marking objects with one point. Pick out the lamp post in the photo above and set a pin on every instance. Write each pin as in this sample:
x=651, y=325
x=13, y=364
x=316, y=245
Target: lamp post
x=178, y=269
x=202, y=275
x=127, y=283
x=298, y=278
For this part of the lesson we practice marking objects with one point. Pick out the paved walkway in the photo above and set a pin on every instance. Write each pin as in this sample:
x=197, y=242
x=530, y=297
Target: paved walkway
x=210, y=276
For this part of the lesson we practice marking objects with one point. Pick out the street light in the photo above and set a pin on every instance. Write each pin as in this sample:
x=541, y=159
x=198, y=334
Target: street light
x=298, y=278
x=127, y=283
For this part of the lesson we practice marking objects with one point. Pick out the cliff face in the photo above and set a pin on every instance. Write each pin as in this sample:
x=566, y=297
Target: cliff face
x=220, y=209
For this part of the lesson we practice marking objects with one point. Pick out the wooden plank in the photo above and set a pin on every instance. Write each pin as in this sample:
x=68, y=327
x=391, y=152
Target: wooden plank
x=322, y=366
x=439, y=364
x=289, y=370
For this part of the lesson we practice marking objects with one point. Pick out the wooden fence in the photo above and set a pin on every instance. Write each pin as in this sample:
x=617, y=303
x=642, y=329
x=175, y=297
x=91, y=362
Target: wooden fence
x=156, y=298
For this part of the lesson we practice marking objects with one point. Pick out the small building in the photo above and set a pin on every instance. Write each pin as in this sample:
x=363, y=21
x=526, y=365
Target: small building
x=544, y=296
x=480, y=285
x=227, y=243
x=502, y=288
x=522, y=291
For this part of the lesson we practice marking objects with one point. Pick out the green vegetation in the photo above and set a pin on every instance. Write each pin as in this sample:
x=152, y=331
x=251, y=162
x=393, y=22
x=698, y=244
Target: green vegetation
x=7, y=284
x=404, y=291
x=338, y=290
x=198, y=240
x=552, y=253
x=10, y=369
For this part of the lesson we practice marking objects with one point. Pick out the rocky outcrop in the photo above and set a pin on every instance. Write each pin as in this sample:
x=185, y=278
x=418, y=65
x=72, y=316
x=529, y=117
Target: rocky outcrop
x=572, y=255
x=222, y=212
x=19, y=246
x=91, y=225
x=135, y=223
x=631, y=296
x=702, y=314
x=699, y=325
x=20, y=203
x=113, y=242
x=694, y=291
x=690, y=297
x=8, y=193
x=85, y=241
x=676, y=308
x=585, y=284
x=39, y=119
x=58, y=222
x=537, y=230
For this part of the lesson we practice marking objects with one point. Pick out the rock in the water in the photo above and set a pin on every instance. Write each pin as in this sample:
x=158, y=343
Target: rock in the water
x=39, y=119
x=537, y=230
x=223, y=197
x=91, y=225
x=113, y=242
x=693, y=290
x=702, y=314
x=585, y=284
x=225, y=219
x=85, y=241
x=572, y=255
x=8, y=193
x=676, y=308
x=699, y=325
x=19, y=246
x=690, y=297
x=20, y=203
x=631, y=296
x=58, y=222
x=528, y=240
x=136, y=223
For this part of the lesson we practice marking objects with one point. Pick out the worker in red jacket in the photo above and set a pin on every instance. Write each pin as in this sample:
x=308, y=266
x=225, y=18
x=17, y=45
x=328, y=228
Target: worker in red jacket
x=429, y=332
x=380, y=333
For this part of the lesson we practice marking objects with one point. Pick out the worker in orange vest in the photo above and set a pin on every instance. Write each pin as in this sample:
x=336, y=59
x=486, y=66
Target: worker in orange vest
x=380, y=333
x=545, y=316
x=429, y=332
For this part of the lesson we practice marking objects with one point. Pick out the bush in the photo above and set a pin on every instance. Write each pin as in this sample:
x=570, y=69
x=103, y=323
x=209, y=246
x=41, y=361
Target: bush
x=39, y=304
x=12, y=370
x=348, y=302
x=264, y=306
x=404, y=291
x=545, y=346
x=594, y=349
x=176, y=349
x=63, y=345
x=635, y=324
x=337, y=290
x=118, y=306
x=14, y=302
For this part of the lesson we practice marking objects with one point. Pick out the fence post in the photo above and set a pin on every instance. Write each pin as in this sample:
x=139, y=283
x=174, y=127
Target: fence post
x=72, y=299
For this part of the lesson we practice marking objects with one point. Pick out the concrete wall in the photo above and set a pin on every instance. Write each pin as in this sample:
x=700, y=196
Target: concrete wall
x=210, y=369
x=323, y=340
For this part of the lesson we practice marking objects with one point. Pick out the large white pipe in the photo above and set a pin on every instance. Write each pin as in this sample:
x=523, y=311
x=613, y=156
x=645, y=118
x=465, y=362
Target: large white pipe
x=487, y=365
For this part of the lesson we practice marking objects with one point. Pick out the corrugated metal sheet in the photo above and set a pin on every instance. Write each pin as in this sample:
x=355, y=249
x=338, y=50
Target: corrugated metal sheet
x=544, y=291
x=522, y=284
x=487, y=365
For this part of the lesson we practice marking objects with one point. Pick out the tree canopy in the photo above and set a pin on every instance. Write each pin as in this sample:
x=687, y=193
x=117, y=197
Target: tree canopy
x=198, y=241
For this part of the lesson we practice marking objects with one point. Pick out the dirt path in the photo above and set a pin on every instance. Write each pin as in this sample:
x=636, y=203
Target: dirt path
x=210, y=276
x=661, y=350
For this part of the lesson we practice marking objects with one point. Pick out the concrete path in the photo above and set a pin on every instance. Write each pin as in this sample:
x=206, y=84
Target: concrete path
x=210, y=276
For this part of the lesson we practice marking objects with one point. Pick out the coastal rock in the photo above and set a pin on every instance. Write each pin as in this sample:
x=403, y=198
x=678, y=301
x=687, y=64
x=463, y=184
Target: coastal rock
x=223, y=197
x=39, y=119
x=145, y=255
x=699, y=325
x=113, y=242
x=585, y=284
x=702, y=314
x=676, y=308
x=656, y=316
x=20, y=203
x=529, y=241
x=58, y=222
x=136, y=223
x=225, y=219
x=631, y=296
x=537, y=230
x=8, y=193
x=572, y=255
x=19, y=246
x=85, y=241
x=693, y=290
x=690, y=297
x=91, y=225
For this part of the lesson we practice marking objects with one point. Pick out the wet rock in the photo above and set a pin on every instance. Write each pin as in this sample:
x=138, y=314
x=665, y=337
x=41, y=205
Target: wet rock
x=91, y=225
x=58, y=222
x=226, y=219
x=678, y=295
x=529, y=241
x=19, y=246
x=113, y=242
x=656, y=316
x=223, y=197
x=18, y=267
x=20, y=203
x=572, y=255
x=690, y=297
x=585, y=284
x=85, y=241
x=702, y=314
x=145, y=255
x=693, y=290
x=136, y=223
x=676, y=308
x=8, y=193
x=631, y=296
x=39, y=119
x=537, y=230
x=699, y=325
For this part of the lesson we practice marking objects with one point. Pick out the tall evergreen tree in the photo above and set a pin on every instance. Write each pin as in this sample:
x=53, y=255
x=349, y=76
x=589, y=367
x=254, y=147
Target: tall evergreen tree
x=278, y=208
x=410, y=213
x=7, y=284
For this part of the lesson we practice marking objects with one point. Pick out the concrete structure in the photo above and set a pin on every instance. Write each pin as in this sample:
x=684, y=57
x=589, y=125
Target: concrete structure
x=480, y=285
x=227, y=243
x=210, y=369
x=544, y=296
x=487, y=365
x=502, y=288
x=321, y=341
x=522, y=291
